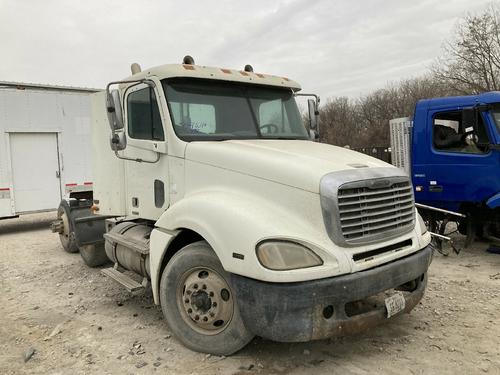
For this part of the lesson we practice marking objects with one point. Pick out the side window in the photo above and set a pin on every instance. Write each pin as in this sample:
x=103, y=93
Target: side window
x=143, y=115
x=192, y=118
x=449, y=134
x=273, y=113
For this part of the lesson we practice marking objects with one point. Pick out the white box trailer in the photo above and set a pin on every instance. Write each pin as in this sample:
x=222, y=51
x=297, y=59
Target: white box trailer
x=45, y=146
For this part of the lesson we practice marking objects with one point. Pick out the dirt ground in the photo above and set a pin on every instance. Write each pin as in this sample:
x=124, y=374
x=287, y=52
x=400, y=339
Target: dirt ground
x=77, y=321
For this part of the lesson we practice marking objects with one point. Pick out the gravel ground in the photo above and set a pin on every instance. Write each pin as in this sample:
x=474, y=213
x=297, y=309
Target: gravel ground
x=57, y=316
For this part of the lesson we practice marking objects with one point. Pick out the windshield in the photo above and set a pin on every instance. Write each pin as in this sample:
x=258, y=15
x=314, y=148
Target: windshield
x=496, y=116
x=205, y=110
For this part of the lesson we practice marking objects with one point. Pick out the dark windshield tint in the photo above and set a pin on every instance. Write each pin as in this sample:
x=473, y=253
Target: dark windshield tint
x=213, y=110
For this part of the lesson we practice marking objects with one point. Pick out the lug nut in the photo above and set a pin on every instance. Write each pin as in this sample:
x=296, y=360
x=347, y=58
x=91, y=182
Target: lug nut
x=190, y=311
x=211, y=294
x=197, y=317
x=205, y=319
x=214, y=304
x=188, y=292
x=195, y=286
x=186, y=300
x=204, y=286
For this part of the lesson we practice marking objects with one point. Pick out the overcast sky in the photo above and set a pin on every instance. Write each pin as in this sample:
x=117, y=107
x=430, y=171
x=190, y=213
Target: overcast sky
x=342, y=47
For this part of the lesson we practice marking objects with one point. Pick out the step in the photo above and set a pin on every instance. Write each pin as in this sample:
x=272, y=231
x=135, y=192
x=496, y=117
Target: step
x=130, y=284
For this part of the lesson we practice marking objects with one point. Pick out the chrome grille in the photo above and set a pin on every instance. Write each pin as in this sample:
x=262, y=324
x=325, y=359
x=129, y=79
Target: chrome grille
x=367, y=211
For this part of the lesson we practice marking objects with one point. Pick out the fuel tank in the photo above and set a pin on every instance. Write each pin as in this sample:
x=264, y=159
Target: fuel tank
x=127, y=244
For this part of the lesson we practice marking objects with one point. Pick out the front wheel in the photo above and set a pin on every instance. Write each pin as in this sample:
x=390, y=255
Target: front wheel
x=198, y=302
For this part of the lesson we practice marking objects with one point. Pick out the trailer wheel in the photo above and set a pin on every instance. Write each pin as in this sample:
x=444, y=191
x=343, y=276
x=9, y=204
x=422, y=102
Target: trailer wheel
x=94, y=255
x=198, y=302
x=66, y=233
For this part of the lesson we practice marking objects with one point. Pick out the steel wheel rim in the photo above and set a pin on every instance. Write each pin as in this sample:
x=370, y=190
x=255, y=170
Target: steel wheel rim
x=65, y=234
x=205, y=300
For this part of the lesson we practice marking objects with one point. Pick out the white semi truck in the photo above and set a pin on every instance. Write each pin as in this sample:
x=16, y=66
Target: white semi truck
x=209, y=189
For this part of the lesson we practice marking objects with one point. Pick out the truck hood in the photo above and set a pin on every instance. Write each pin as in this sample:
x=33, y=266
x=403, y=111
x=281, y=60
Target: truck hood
x=297, y=163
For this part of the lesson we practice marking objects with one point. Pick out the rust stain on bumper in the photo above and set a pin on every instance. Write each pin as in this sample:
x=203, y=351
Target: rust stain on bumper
x=342, y=325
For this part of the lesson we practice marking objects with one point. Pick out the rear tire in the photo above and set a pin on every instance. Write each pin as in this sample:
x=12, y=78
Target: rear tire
x=67, y=237
x=198, y=302
x=94, y=255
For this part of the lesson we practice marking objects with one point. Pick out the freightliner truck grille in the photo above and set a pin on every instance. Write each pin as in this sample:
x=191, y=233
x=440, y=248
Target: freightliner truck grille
x=368, y=211
x=367, y=205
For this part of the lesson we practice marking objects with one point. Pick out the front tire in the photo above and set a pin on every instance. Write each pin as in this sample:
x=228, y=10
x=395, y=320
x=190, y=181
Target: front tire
x=198, y=302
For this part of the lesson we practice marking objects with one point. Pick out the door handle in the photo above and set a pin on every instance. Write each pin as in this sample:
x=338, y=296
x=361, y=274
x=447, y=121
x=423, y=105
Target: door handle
x=58, y=174
x=436, y=189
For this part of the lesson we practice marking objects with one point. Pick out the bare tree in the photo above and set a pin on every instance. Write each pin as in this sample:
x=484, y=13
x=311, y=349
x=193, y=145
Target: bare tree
x=364, y=122
x=339, y=125
x=471, y=61
x=470, y=64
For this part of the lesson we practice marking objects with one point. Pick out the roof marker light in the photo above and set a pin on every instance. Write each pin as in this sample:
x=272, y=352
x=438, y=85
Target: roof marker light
x=135, y=68
x=248, y=68
x=227, y=71
x=188, y=60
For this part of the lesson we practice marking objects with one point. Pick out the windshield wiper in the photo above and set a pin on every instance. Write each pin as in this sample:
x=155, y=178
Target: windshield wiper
x=254, y=117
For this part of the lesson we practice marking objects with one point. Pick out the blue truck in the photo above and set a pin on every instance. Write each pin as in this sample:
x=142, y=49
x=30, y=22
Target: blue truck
x=451, y=149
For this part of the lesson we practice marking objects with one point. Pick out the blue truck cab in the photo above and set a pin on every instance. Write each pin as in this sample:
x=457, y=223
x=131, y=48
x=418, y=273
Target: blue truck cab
x=455, y=155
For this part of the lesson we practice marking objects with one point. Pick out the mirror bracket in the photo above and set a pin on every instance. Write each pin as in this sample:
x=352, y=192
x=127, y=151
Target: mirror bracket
x=118, y=140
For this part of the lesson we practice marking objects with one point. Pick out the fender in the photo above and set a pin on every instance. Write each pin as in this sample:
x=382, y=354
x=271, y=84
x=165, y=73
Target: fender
x=494, y=201
x=233, y=224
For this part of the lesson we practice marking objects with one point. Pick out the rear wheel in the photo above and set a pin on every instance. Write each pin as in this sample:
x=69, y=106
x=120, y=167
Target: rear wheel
x=198, y=302
x=66, y=233
x=94, y=255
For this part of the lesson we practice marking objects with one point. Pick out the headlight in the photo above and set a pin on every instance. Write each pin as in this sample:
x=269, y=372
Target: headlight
x=423, y=227
x=285, y=255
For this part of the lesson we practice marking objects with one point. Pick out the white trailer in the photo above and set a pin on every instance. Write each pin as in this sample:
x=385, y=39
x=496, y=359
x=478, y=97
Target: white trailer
x=45, y=146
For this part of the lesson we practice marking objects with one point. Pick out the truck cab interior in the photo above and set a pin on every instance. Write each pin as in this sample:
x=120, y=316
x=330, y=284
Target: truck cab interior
x=451, y=134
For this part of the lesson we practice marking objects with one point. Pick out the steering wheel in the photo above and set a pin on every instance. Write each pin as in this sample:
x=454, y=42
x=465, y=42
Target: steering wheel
x=271, y=128
x=469, y=136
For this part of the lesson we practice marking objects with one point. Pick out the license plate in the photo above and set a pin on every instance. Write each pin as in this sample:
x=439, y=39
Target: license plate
x=395, y=304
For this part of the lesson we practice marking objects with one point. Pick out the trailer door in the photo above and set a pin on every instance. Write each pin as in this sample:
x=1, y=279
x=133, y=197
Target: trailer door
x=35, y=171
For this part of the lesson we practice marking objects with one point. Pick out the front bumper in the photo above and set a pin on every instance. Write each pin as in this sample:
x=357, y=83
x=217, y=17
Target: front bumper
x=337, y=306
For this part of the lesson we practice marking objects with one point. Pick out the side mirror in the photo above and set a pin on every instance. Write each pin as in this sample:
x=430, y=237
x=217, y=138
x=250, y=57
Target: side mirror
x=469, y=120
x=118, y=141
x=313, y=114
x=114, y=108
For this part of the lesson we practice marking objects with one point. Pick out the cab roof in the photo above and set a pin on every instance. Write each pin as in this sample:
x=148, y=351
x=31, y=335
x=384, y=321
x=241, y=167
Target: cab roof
x=215, y=73
x=462, y=101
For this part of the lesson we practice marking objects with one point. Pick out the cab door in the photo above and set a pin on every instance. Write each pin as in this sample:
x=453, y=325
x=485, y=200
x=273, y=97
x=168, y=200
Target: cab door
x=146, y=177
x=455, y=169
